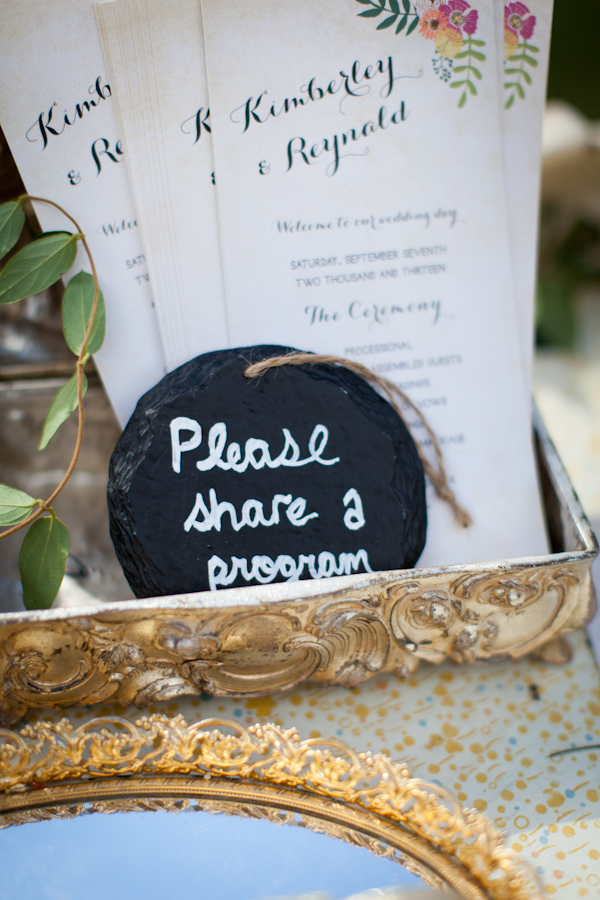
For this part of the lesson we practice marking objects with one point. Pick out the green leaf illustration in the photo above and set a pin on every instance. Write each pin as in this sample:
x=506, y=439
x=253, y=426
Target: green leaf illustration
x=457, y=84
x=509, y=102
x=406, y=5
x=76, y=310
x=460, y=69
x=462, y=100
x=517, y=57
x=64, y=403
x=364, y=2
x=471, y=87
x=15, y=505
x=476, y=72
x=42, y=562
x=475, y=53
x=387, y=22
x=533, y=49
x=394, y=7
x=412, y=26
x=371, y=13
x=37, y=266
x=477, y=43
x=12, y=219
x=519, y=73
x=401, y=24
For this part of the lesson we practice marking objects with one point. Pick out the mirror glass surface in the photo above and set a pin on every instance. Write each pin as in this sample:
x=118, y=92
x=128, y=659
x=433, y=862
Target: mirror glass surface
x=189, y=854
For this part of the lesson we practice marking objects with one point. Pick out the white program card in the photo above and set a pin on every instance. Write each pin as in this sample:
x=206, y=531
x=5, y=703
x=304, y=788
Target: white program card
x=58, y=118
x=360, y=183
x=154, y=52
x=525, y=38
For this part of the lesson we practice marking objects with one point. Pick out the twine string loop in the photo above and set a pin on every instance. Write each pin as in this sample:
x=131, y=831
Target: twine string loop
x=436, y=473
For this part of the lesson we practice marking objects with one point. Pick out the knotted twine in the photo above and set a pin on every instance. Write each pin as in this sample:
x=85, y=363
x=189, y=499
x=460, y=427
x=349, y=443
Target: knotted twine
x=436, y=474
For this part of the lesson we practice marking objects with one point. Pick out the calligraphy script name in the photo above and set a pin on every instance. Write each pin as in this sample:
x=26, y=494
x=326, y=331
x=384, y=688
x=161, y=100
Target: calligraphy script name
x=351, y=84
x=48, y=123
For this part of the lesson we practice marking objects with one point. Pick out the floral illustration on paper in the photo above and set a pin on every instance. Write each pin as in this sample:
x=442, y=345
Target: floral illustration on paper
x=450, y=26
x=519, y=26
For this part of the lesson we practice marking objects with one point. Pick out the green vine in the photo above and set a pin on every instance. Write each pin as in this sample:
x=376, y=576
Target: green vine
x=30, y=270
x=520, y=74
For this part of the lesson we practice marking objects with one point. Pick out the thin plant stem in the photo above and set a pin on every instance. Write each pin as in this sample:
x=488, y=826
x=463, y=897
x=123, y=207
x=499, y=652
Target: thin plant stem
x=81, y=359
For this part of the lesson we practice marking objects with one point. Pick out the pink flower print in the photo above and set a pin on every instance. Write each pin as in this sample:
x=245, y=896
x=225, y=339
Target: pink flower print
x=518, y=20
x=459, y=18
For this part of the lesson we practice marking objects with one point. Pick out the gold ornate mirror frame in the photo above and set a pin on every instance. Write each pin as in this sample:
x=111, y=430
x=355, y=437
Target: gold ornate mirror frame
x=52, y=770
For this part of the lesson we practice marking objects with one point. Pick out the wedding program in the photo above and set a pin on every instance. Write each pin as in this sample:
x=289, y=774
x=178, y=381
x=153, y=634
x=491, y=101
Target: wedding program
x=58, y=118
x=358, y=178
x=362, y=209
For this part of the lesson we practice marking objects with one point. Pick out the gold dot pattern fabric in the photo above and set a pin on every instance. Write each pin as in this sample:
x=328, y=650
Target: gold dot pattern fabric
x=487, y=733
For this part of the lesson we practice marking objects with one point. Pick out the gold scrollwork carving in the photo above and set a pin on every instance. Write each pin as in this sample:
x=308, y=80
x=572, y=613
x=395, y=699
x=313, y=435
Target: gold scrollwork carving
x=139, y=654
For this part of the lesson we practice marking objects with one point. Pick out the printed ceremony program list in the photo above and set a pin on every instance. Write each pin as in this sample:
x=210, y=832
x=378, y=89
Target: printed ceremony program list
x=359, y=178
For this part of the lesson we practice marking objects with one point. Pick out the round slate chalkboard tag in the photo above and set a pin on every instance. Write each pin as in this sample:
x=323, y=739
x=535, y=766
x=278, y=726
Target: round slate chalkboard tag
x=222, y=481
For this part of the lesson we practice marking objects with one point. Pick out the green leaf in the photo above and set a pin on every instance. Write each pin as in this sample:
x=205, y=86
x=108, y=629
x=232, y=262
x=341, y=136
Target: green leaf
x=528, y=59
x=462, y=100
x=394, y=7
x=526, y=76
x=76, y=310
x=42, y=562
x=477, y=43
x=15, y=505
x=512, y=71
x=401, y=24
x=364, y=2
x=382, y=4
x=472, y=87
x=474, y=53
x=509, y=102
x=387, y=22
x=533, y=49
x=457, y=84
x=476, y=72
x=61, y=408
x=460, y=69
x=412, y=25
x=520, y=91
x=12, y=219
x=406, y=5
x=37, y=266
x=371, y=13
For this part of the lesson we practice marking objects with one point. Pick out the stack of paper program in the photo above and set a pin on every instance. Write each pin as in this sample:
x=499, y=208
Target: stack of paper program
x=358, y=178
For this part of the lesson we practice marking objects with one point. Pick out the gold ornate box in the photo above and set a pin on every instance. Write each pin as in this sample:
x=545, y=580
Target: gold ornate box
x=258, y=640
